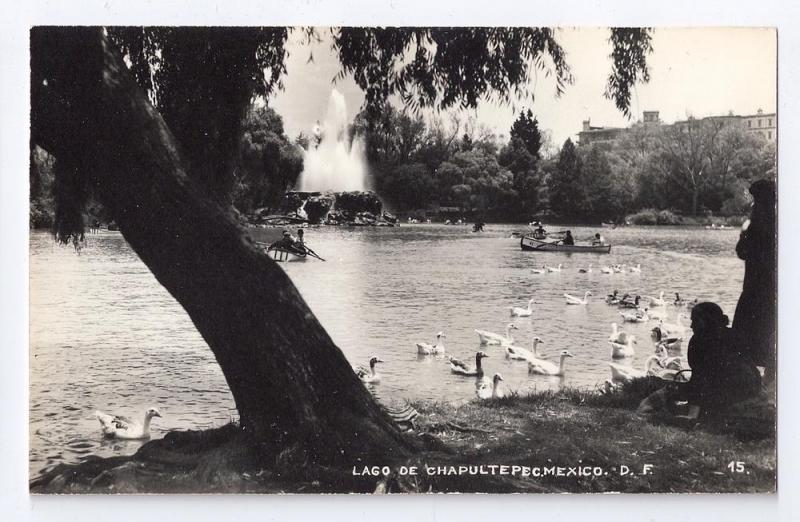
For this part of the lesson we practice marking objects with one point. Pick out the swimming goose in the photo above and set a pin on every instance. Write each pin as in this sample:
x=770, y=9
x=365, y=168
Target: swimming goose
x=607, y=270
x=676, y=329
x=572, y=300
x=539, y=270
x=628, y=373
x=618, y=269
x=660, y=337
x=619, y=350
x=494, y=339
x=639, y=316
x=369, y=375
x=543, y=367
x=586, y=270
x=678, y=300
x=518, y=353
x=554, y=268
x=432, y=349
x=637, y=268
x=657, y=301
x=617, y=335
x=625, y=303
x=613, y=299
x=486, y=389
x=461, y=368
x=118, y=427
x=522, y=312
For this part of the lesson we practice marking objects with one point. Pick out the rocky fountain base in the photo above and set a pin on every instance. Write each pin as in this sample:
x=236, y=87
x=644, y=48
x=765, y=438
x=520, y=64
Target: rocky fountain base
x=356, y=208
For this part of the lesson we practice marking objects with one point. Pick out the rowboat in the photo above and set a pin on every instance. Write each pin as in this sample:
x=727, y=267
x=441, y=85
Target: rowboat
x=286, y=254
x=528, y=242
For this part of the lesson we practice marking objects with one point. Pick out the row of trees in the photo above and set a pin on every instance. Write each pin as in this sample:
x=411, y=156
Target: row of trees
x=415, y=164
x=692, y=167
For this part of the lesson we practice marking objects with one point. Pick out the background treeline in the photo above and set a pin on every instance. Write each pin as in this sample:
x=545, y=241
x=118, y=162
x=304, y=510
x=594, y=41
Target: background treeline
x=651, y=174
x=698, y=167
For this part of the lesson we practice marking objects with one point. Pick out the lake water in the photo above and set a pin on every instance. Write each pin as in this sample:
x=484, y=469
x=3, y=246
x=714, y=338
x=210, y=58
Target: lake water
x=105, y=335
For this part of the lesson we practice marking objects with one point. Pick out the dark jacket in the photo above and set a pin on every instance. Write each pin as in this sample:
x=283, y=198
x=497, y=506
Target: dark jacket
x=721, y=376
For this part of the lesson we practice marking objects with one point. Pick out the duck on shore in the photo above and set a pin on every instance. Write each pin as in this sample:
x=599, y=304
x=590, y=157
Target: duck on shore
x=489, y=389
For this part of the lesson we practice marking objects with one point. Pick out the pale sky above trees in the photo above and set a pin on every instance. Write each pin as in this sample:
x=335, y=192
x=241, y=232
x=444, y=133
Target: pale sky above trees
x=694, y=71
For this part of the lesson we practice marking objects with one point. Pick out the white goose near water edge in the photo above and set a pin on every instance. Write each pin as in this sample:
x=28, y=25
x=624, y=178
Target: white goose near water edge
x=119, y=427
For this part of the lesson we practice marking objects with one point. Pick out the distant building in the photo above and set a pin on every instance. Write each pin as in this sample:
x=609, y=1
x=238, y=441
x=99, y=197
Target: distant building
x=591, y=134
x=764, y=124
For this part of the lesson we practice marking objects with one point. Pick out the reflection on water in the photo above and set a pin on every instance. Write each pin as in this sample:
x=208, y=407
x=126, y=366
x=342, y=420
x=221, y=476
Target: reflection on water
x=105, y=335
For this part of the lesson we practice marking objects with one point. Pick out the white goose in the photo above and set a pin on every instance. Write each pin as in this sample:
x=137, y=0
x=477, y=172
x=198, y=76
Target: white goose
x=676, y=329
x=543, y=367
x=619, y=350
x=118, y=427
x=572, y=300
x=636, y=269
x=518, y=353
x=492, y=338
x=607, y=270
x=522, y=312
x=554, y=268
x=432, y=349
x=637, y=316
x=617, y=335
x=657, y=301
x=539, y=270
x=628, y=373
x=586, y=270
x=486, y=389
x=461, y=368
x=369, y=375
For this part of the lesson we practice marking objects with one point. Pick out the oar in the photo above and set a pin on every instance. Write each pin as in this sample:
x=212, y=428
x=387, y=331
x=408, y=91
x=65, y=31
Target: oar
x=313, y=253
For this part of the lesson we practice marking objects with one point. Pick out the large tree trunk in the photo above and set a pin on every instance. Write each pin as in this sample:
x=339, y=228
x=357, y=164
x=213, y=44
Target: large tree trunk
x=291, y=384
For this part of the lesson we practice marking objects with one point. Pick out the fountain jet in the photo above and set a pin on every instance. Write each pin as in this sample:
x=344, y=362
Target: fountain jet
x=332, y=163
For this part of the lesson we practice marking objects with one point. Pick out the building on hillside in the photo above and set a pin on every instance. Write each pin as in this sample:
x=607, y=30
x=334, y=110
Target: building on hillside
x=762, y=123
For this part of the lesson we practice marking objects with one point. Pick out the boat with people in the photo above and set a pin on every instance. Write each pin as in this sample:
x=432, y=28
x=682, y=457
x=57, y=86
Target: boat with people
x=531, y=243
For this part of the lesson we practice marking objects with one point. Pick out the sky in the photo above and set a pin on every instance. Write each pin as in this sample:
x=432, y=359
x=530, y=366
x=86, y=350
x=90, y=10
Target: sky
x=693, y=71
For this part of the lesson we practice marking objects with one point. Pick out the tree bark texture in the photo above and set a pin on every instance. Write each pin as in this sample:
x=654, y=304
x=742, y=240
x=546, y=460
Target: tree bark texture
x=291, y=384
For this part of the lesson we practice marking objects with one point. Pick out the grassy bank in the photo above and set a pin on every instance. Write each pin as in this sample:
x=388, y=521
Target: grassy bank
x=567, y=441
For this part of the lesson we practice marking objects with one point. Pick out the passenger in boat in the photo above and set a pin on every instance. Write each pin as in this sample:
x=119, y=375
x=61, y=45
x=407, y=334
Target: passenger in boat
x=598, y=240
x=568, y=239
x=721, y=375
x=288, y=241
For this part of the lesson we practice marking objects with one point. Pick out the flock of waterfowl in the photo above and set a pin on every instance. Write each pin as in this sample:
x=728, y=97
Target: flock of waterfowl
x=667, y=360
